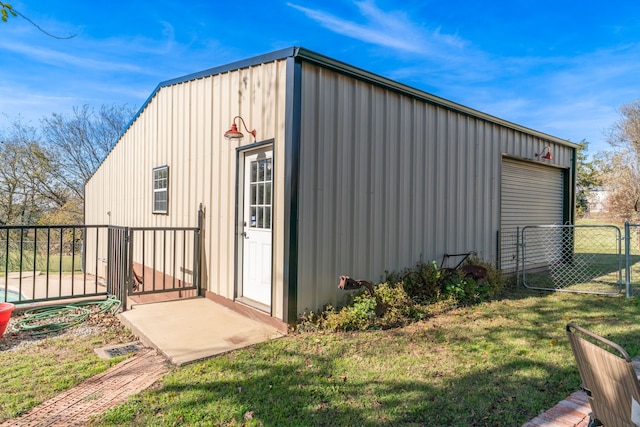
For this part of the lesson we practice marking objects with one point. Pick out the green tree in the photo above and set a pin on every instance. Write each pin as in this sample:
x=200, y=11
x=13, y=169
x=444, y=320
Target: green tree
x=44, y=170
x=588, y=176
x=21, y=201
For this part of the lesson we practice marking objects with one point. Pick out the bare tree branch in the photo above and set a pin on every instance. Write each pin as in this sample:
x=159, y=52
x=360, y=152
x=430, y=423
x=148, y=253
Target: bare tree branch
x=7, y=10
x=43, y=171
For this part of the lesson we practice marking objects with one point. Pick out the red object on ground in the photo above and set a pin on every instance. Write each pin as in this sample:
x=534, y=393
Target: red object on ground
x=5, y=314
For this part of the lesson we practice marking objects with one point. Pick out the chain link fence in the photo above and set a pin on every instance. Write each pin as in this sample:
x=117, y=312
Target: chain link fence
x=576, y=258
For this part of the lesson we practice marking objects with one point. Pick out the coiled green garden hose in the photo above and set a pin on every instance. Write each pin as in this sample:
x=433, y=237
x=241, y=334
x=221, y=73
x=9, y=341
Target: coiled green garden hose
x=43, y=320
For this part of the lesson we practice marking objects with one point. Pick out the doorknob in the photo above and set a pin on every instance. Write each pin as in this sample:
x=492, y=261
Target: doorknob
x=244, y=234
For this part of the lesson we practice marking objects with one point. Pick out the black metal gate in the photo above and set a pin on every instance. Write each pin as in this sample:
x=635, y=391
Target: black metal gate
x=163, y=259
x=45, y=263
x=153, y=260
x=117, y=263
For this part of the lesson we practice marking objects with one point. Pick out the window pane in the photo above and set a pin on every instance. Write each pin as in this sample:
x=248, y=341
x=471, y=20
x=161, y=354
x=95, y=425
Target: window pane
x=254, y=197
x=262, y=167
x=260, y=194
x=267, y=193
x=260, y=217
x=267, y=217
x=268, y=171
x=253, y=220
x=160, y=201
x=254, y=171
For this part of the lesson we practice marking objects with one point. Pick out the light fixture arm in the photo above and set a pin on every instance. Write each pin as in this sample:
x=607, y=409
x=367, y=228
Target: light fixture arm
x=252, y=132
x=547, y=156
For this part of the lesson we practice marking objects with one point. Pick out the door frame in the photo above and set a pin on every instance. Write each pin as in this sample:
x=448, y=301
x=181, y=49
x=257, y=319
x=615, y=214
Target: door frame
x=241, y=153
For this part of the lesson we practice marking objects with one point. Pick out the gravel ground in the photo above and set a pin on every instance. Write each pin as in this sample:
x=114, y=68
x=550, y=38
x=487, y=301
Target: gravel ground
x=15, y=339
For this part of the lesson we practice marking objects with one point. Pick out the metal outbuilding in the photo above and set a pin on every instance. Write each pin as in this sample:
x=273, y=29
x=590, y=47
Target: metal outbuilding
x=349, y=173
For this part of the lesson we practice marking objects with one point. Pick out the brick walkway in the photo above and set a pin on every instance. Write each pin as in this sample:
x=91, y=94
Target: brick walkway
x=571, y=412
x=95, y=395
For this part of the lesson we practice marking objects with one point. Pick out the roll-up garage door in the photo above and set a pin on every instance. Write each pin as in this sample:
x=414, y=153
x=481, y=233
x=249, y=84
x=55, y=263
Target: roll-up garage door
x=531, y=194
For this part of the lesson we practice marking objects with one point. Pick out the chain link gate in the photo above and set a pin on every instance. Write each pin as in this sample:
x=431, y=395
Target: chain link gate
x=573, y=258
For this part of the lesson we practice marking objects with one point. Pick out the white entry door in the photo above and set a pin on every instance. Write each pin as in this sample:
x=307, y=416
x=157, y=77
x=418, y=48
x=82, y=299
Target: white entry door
x=257, y=224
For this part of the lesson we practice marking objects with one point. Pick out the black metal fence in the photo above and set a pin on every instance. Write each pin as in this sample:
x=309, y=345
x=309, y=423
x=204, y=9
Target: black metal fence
x=47, y=263
x=41, y=263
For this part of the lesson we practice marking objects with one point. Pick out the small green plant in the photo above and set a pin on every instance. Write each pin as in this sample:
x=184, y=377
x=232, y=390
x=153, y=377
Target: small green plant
x=407, y=296
x=422, y=282
x=495, y=281
x=462, y=290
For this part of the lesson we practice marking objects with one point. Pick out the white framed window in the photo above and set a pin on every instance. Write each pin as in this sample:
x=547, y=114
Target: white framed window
x=161, y=190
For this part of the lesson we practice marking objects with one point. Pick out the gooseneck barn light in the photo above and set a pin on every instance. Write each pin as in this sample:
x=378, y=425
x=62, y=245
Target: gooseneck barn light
x=234, y=133
x=547, y=156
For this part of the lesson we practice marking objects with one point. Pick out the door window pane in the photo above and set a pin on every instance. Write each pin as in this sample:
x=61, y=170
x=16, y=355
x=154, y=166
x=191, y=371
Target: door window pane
x=260, y=186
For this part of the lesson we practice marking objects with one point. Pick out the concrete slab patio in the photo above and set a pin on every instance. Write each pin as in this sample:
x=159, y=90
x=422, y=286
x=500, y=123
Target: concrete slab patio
x=192, y=329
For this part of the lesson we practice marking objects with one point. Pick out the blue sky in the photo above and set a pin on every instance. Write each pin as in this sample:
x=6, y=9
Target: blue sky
x=560, y=67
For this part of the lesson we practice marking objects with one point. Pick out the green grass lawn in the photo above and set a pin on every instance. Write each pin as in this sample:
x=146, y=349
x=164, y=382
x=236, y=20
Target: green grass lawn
x=499, y=363
x=57, y=263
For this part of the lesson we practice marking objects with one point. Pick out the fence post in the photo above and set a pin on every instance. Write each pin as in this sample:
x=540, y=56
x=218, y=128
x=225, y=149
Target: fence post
x=110, y=238
x=128, y=264
x=197, y=250
x=518, y=258
x=498, y=250
x=627, y=258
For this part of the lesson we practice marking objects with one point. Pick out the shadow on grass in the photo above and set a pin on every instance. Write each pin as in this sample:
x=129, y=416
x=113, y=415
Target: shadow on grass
x=499, y=363
x=286, y=395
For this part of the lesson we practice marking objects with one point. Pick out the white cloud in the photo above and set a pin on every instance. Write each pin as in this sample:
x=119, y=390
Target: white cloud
x=58, y=58
x=388, y=29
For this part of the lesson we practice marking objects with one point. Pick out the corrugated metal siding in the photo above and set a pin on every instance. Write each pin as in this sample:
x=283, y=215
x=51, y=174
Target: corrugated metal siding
x=387, y=180
x=183, y=127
